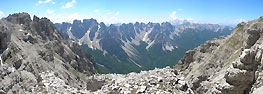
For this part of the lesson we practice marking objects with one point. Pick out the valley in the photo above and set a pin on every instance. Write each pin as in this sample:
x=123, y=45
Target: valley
x=134, y=47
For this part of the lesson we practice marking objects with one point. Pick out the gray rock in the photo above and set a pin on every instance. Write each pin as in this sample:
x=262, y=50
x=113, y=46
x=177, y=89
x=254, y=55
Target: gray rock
x=229, y=69
x=2, y=92
x=29, y=48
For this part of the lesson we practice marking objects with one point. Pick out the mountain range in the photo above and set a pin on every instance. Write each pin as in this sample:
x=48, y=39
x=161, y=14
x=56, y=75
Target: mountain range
x=37, y=58
x=132, y=47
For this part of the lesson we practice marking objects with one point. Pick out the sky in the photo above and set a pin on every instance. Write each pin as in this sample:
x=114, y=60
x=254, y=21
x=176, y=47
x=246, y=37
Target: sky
x=224, y=12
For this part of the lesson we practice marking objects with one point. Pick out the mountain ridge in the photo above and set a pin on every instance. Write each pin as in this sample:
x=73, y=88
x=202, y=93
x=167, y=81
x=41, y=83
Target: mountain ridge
x=138, y=44
x=30, y=48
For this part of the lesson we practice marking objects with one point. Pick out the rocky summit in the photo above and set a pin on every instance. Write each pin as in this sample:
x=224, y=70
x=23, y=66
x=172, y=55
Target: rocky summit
x=30, y=48
x=37, y=59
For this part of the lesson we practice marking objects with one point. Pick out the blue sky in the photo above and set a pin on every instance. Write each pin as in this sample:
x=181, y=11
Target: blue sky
x=227, y=12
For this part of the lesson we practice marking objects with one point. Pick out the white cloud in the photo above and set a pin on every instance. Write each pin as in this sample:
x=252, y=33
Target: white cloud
x=44, y=2
x=240, y=20
x=117, y=13
x=69, y=4
x=1, y=13
x=138, y=20
x=58, y=18
x=190, y=19
x=96, y=10
x=49, y=11
x=221, y=21
x=180, y=19
x=107, y=19
x=53, y=2
x=172, y=15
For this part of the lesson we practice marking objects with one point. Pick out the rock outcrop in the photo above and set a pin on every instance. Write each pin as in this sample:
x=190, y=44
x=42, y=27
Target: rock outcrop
x=229, y=65
x=158, y=81
x=29, y=48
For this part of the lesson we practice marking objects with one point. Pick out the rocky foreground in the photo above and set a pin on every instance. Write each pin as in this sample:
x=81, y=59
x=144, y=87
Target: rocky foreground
x=158, y=81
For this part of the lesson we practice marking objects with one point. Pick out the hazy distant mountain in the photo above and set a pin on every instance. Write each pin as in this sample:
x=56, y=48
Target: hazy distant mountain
x=139, y=46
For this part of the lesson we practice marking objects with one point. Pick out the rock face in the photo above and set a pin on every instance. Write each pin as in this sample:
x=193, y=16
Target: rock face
x=229, y=65
x=29, y=48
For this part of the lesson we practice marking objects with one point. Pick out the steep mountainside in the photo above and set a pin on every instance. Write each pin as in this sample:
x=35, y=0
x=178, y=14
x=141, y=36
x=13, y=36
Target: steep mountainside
x=134, y=47
x=230, y=65
x=30, y=49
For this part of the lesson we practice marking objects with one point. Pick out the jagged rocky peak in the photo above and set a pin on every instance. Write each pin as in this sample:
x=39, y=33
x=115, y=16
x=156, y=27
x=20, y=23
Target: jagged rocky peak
x=31, y=50
x=19, y=18
x=134, y=44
